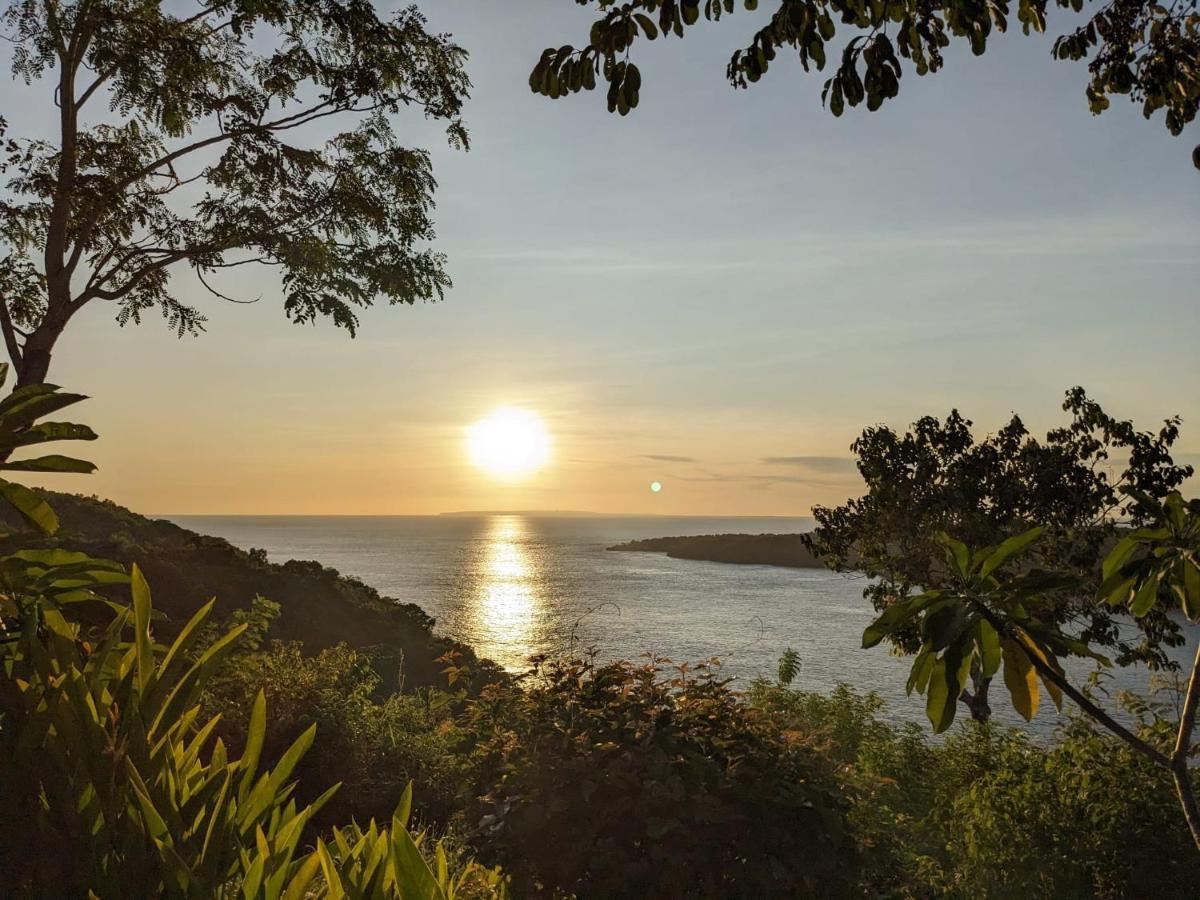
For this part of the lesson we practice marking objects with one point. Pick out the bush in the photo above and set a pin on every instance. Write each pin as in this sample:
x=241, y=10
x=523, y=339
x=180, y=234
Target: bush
x=989, y=813
x=622, y=780
x=371, y=739
x=1086, y=817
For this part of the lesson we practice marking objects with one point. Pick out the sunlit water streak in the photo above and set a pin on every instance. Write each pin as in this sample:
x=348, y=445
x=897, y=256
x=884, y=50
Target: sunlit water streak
x=507, y=605
x=515, y=586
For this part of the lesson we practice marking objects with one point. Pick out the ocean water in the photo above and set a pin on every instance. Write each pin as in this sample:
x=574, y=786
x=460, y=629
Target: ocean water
x=513, y=586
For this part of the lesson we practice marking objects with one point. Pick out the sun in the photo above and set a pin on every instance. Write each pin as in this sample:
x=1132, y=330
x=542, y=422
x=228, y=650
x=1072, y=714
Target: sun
x=508, y=443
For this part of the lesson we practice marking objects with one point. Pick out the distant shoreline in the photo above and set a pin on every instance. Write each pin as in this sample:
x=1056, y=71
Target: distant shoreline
x=785, y=550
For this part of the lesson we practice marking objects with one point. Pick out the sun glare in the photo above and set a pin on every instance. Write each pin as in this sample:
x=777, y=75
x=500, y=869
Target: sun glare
x=508, y=443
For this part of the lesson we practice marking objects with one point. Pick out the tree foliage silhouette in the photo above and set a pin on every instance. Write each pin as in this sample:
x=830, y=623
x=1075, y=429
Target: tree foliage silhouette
x=1147, y=51
x=216, y=135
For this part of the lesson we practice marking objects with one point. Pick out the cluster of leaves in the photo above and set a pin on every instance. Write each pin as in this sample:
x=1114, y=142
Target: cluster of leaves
x=979, y=622
x=986, y=617
x=20, y=428
x=938, y=478
x=1141, y=48
x=623, y=780
x=1147, y=51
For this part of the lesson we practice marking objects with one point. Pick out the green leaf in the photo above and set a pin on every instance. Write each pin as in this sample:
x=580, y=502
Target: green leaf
x=990, y=654
x=255, y=735
x=942, y=698
x=44, y=432
x=1145, y=596
x=52, y=463
x=922, y=669
x=57, y=559
x=19, y=415
x=1191, y=591
x=32, y=508
x=946, y=624
x=1010, y=548
x=403, y=808
x=141, y=619
x=302, y=878
x=648, y=26
x=414, y=880
x=894, y=617
x=1118, y=556
x=22, y=395
x=957, y=553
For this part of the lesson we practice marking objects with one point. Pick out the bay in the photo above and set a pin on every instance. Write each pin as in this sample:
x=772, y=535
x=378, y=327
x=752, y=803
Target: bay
x=516, y=585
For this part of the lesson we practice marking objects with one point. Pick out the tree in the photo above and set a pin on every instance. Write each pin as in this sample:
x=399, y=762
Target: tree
x=938, y=478
x=198, y=135
x=988, y=617
x=1144, y=50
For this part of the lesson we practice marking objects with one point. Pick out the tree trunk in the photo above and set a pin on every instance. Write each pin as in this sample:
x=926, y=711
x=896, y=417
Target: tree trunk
x=35, y=366
x=977, y=702
x=39, y=346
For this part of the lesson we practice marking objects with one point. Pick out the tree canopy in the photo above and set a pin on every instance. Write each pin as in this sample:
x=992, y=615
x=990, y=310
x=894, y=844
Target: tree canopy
x=215, y=135
x=938, y=478
x=1147, y=51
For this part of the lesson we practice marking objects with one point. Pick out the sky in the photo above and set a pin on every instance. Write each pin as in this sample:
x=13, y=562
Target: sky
x=716, y=293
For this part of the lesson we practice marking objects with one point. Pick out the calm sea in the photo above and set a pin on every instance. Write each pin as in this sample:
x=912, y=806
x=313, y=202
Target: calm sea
x=513, y=586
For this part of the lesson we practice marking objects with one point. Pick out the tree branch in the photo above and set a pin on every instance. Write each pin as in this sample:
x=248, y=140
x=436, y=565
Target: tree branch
x=212, y=290
x=1183, y=748
x=10, y=335
x=1081, y=700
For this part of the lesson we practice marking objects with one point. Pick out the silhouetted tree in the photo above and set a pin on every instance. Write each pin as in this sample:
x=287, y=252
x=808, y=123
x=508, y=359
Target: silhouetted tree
x=938, y=478
x=205, y=134
x=1140, y=48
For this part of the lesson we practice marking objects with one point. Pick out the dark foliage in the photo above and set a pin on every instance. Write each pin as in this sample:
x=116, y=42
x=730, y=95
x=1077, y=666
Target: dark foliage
x=621, y=780
x=747, y=549
x=1144, y=50
x=989, y=813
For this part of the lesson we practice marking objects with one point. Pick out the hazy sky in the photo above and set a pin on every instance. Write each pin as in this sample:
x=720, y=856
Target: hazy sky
x=692, y=294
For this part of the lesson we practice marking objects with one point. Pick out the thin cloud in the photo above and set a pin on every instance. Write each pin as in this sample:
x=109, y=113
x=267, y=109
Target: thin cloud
x=819, y=463
x=665, y=457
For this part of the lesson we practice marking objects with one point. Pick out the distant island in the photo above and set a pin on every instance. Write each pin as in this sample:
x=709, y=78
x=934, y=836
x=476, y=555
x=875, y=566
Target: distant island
x=745, y=549
x=531, y=513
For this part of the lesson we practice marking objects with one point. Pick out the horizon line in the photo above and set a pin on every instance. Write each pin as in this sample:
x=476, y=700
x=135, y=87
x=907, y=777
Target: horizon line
x=547, y=513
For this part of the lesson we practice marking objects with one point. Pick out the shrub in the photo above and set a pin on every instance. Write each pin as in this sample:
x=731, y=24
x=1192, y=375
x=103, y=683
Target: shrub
x=621, y=780
x=989, y=813
x=1085, y=817
x=373, y=740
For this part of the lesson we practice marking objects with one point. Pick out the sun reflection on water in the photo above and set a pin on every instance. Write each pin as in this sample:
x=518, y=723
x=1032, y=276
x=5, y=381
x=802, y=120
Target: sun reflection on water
x=506, y=604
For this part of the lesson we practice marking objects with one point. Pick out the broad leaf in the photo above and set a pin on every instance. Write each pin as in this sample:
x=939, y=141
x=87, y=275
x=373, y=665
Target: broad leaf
x=1020, y=679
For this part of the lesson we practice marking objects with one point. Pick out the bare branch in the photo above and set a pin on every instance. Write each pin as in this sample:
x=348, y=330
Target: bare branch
x=216, y=293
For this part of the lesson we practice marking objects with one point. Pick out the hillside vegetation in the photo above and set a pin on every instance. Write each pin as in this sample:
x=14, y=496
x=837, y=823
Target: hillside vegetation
x=318, y=606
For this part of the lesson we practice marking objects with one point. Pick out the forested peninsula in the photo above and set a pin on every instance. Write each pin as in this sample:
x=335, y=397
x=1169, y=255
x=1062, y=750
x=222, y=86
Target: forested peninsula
x=745, y=549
